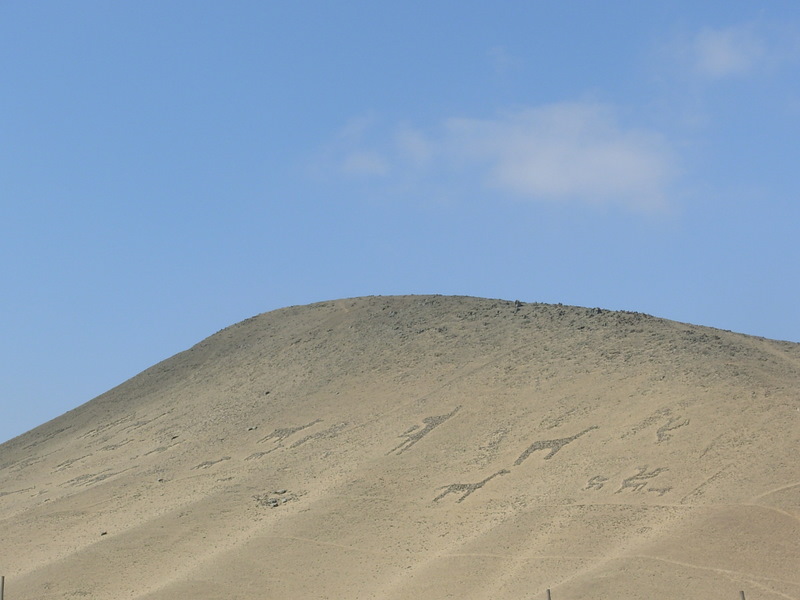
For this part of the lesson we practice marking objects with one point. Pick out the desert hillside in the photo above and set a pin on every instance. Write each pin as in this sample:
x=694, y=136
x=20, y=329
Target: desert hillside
x=421, y=447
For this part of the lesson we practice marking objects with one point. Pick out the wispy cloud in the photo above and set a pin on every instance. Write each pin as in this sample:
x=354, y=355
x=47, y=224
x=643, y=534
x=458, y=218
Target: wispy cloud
x=353, y=152
x=719, y=53
x=575, y=151
x=414, y=146
x=502, y=61
x=570, y=151
x=364, y=163
x=737, y=51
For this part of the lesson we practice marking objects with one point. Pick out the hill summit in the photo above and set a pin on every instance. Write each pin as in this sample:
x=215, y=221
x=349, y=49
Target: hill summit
x=421, y=447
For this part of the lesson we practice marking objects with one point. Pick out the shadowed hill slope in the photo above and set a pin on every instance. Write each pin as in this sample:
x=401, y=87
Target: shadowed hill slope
x=421, y=447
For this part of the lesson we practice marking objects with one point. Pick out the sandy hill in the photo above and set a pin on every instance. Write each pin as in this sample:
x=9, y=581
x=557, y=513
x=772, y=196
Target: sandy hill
x=421, y=447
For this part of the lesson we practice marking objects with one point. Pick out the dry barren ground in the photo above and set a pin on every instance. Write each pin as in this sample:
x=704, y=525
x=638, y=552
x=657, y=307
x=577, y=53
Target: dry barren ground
x=421, y=447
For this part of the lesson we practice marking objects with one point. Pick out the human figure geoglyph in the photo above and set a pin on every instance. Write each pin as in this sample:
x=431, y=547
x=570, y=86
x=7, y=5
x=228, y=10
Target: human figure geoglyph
x=415, y=434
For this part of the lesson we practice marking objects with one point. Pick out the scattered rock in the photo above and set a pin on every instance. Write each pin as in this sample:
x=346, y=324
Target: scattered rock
x=275, y=499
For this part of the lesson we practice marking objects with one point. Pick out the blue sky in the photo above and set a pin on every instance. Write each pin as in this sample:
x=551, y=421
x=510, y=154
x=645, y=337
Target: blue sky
x=168, y=168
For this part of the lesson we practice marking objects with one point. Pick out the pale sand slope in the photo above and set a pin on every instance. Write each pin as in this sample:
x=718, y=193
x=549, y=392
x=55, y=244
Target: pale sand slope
x=429, y=447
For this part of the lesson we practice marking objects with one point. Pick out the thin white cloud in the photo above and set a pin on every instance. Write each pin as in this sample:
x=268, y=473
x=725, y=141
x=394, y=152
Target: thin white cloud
x=719, y=53
x=574, y=151
x=414, y=146
x=353, y=152
x=357, y=128
x=502, y=61
x=737, y=51
x=569, y=151
x=364, y=163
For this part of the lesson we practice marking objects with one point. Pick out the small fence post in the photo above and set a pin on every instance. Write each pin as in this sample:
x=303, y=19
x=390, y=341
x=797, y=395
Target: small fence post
x=2, y=585
x=548, y=594
x=741, y=595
